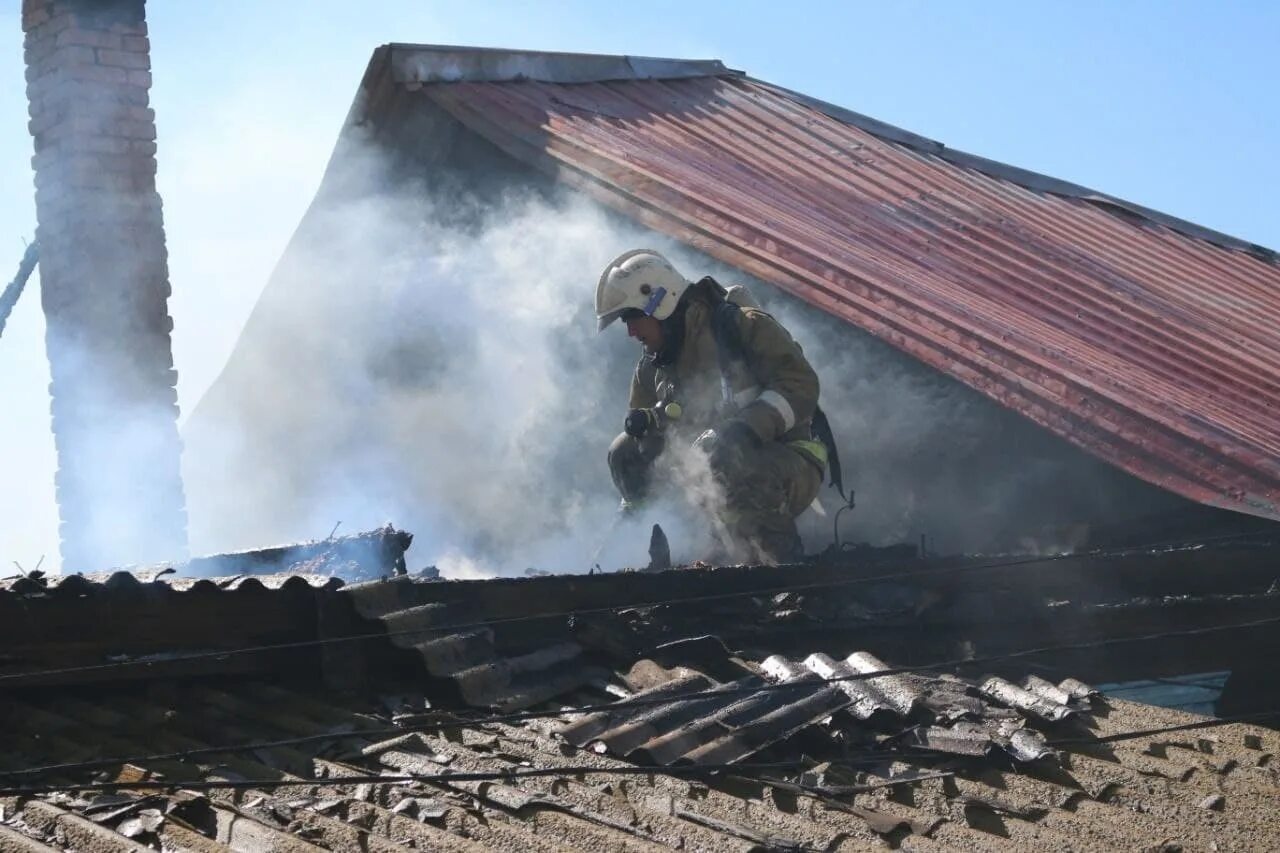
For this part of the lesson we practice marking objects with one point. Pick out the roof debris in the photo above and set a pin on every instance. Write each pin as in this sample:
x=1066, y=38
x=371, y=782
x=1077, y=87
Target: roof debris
x=786, y=794
x=693, y=719
x=640, y=727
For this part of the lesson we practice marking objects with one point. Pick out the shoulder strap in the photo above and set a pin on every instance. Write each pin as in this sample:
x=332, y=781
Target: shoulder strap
x=729, y=348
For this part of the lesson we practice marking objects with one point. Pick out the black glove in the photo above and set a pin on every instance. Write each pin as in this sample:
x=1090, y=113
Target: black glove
x=727, y=445
x=639, y=422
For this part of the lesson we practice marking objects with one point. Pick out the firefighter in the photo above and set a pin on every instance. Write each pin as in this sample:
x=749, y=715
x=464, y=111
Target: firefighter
x=720, y=382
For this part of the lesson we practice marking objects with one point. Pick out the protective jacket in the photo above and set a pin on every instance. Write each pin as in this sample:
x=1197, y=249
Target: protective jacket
x=774, y=389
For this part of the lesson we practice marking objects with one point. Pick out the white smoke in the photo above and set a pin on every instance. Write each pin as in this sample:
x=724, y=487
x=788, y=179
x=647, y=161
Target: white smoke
x=447, y=377
x=425, y=358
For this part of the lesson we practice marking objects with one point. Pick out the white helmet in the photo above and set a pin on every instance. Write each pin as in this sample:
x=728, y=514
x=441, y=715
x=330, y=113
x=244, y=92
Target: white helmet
x=639, y=280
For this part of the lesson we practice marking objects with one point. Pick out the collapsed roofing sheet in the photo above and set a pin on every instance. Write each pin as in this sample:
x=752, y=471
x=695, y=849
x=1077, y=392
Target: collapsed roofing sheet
x=1150, y=342
x=692, y=720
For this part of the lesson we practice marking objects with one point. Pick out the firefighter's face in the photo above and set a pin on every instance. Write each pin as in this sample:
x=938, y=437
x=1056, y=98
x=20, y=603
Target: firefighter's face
x=646, y=330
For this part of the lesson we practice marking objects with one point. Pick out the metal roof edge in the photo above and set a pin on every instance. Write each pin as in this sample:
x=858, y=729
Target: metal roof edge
x=1022, y=177
x=429, y=63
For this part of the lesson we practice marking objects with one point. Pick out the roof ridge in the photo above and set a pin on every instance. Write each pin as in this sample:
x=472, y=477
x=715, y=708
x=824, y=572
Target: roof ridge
x=433, y=63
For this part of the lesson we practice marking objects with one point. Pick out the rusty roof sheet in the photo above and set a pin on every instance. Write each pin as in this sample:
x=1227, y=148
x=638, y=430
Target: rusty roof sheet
x=1150, y=342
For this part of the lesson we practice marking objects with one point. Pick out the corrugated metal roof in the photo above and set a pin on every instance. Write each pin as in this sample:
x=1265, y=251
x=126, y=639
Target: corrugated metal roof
x=1152, y=343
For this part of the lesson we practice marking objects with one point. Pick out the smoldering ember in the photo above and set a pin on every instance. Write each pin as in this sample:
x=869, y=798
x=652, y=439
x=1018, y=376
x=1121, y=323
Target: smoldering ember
x=1034, y=604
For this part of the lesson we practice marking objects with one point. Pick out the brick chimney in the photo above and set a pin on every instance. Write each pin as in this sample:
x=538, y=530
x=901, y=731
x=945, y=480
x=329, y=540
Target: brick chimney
x=105, y=283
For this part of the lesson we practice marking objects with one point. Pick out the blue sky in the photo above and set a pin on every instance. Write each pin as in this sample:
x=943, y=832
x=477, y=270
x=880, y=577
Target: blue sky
x=1168, y=104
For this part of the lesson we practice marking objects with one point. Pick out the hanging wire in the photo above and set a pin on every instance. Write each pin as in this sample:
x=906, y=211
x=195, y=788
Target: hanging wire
x=835, y=524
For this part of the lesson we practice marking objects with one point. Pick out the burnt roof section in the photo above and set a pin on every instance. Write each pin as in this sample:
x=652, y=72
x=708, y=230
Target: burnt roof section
x=167, y=621
x=772, y=758
x=160, y=582
x=1143, y=339
x=905, y=608
x=1192, y=789
x=513, y=642
x=322, y=564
